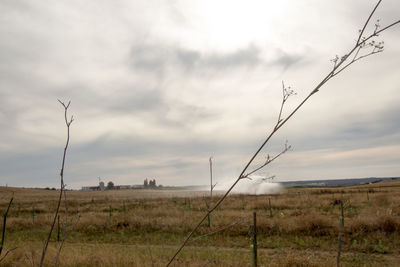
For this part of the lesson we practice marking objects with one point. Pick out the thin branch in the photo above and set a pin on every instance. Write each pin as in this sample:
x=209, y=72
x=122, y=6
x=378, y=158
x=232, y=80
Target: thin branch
x=31, y=257
x=387, y=27
x=64, y=236
x=356, y=54
x=65, y=227
x=282, y=104
x=3, y=234
x=219, y=230
x=333, y=74
x=366, y=23
x=205, y=201
x=268, y=161
x=268, y=178
x=62, y=186
x=355, y=60
x=286, y=93
x=359, y=45
x=8, y=251
x=214, y=185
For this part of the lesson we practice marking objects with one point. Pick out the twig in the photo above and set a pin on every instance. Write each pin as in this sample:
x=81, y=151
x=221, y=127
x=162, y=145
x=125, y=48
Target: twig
x=62, y=186
x=64, y=238
x=219, y=230
x=3, y=235
x=8, y=251
x=366, y=23
x=268, y=161
x=65, y=228
x=31, y=257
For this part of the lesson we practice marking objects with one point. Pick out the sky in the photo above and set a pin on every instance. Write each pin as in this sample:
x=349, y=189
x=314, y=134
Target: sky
x=158, y=87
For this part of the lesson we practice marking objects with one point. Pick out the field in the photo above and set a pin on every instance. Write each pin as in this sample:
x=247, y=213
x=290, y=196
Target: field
x=298, y=227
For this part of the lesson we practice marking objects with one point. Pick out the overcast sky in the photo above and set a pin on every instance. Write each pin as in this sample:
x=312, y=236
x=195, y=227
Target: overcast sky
x=157, y=87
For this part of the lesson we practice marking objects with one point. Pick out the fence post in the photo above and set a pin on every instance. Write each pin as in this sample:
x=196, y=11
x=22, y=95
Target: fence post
x=340, y=233
x=254, y=246
x=341, y=214
x=33, y=214
x=339, y=249
x=271, y=212
x=111, y=215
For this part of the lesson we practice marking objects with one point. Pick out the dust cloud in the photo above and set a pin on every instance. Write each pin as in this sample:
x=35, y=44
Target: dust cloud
x=255, y=186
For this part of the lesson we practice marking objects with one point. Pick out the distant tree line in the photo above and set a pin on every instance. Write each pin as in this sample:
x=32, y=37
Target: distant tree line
x=149, y=183
x=110, y=185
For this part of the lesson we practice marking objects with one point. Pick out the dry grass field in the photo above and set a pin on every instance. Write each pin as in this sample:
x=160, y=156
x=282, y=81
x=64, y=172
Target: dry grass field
x=145, y=227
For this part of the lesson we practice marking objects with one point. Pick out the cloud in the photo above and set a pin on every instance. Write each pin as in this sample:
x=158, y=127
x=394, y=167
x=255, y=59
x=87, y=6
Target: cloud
x=159, y=58
x=286, y=60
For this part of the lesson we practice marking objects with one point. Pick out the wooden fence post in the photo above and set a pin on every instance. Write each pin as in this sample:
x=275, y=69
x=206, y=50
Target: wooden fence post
x=254, y=246
x=340, y=233
x=111, y=215
x=339, y=249
x=341, y=214
x=271, y=212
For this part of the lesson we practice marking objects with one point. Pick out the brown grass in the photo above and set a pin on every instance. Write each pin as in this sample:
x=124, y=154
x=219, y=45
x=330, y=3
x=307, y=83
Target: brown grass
x=302, y=232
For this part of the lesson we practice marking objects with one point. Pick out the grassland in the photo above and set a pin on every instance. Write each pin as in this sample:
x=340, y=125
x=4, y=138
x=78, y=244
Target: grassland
x=145, y=227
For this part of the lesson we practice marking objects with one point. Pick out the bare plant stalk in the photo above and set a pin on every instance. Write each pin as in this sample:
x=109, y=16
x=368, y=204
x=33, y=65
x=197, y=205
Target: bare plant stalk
x=211, y=182
x=339, y=249
x=209, y=215
x=7, y=252
x=3, y=232
x=362, y=43
x=58, y=228
x=219, y=230
x=31, y=257
x=211, y=191
x=65, y=232
x=62, y=185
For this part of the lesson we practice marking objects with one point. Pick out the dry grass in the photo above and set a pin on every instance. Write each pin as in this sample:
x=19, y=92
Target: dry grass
x=302, y=232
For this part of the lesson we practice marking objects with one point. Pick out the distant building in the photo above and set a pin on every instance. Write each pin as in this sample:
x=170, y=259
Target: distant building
x=101, y=186
x=90, y=188
x=123, y=187
x=94, y=188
